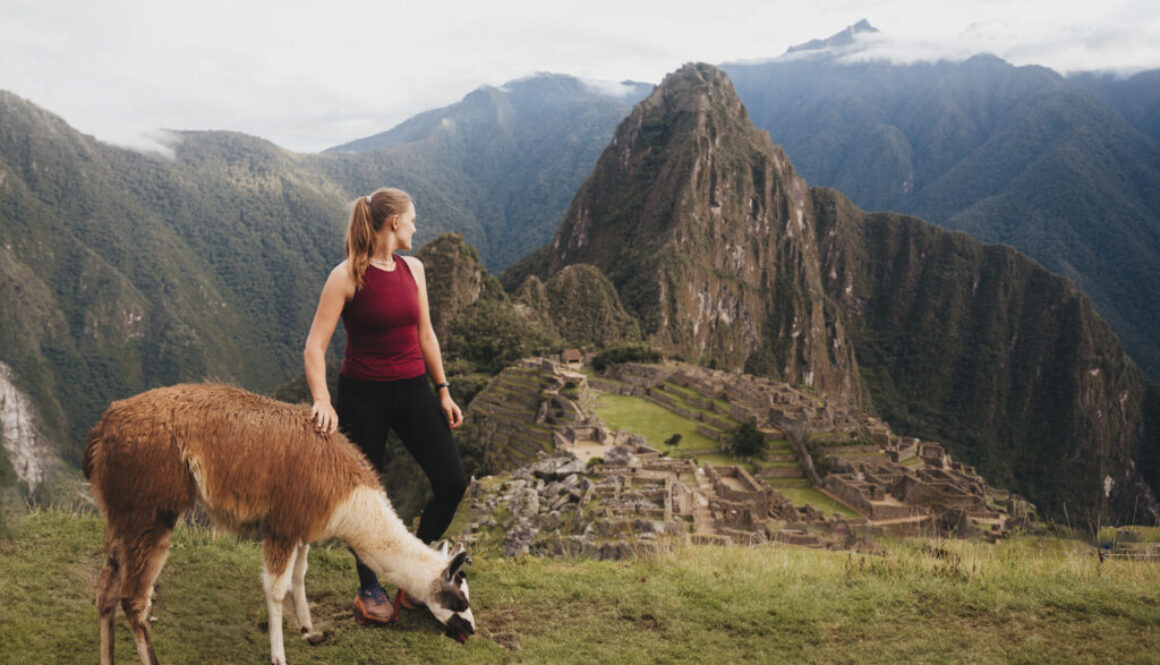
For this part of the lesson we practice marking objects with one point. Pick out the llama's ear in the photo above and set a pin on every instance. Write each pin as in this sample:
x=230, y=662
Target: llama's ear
x=457, y=562
x=444, y=548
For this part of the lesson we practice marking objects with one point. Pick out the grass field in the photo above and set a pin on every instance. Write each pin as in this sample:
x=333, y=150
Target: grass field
x=800, y=496
x=1029, y=601
x=654, y=423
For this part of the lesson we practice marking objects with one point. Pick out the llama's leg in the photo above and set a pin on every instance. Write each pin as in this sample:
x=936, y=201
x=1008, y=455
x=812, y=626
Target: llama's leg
x=108, y=593
x=277, y=573
x=142, y=563
x=298, y=595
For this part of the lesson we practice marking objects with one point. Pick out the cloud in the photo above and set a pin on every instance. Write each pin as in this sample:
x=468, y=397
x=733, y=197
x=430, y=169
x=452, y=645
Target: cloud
x=609, y=88
x=1069, y=36
x=159, y=142
x=310, y=75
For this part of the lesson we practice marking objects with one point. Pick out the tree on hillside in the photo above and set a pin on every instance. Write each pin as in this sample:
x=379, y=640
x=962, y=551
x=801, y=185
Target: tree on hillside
x=746, y=440
x=672, y=442
x=628, y=353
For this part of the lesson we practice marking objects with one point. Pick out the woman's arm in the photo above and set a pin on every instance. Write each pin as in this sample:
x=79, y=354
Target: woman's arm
x=339, y=288
x=429, y=345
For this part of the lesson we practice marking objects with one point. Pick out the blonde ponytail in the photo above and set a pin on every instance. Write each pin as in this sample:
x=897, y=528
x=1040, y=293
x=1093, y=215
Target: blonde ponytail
x=367, y=217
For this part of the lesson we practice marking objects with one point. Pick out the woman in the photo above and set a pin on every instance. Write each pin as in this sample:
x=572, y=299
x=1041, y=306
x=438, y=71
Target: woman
x=390, y=349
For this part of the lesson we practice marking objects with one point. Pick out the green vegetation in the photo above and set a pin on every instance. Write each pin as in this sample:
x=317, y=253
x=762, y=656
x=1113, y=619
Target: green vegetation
x=586, y=310
x=823, y=464
x=746, y=440
x=629, y=353
x=801, y=495
x=1029, y=600
x=654, y=423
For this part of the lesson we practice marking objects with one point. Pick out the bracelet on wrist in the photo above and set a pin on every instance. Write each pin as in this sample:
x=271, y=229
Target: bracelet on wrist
x=439, y=386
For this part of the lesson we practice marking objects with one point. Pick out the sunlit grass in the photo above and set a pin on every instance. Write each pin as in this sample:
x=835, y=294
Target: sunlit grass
x=1026, y=600
x=655, y=423
x=800, y=496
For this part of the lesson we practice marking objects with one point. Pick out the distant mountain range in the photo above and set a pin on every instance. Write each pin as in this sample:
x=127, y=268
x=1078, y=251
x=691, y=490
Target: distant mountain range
x=728, y=258
x=1066, y=170
x=120, y=271
x=500, y=166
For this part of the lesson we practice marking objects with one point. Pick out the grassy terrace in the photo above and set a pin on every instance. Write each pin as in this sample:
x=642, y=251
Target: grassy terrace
x=722, y=404
x=655, y=423
x=801, y=495
x=1033, y=601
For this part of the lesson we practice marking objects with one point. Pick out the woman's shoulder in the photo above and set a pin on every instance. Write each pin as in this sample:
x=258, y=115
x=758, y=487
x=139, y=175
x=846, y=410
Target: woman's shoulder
x=415, y=266
x=340, y=276
x=413, y=262
x=341, y=270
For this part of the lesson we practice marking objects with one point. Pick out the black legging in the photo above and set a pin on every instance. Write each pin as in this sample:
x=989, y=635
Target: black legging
x=367, y=410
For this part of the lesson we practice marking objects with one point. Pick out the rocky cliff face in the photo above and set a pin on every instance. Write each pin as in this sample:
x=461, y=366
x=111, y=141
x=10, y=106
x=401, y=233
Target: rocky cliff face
x=707, y=233
x=981, y=347
x=728, y=258
x=25, y=448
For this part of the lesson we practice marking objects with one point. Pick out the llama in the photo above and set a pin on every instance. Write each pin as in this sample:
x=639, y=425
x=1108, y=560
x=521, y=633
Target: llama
x=256, y=465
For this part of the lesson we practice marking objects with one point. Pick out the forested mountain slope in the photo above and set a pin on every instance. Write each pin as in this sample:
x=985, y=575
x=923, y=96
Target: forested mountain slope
x=1017, y=155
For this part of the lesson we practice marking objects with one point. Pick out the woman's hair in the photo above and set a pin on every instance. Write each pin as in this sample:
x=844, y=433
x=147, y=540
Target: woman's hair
x=366, y=219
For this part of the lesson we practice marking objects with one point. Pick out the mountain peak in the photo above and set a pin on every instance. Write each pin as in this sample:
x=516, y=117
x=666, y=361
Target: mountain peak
x=840, y=39
x=706, y=232
x=695, y=88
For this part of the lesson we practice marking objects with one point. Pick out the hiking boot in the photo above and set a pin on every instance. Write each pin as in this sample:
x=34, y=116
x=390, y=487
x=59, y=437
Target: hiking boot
x=372, y=607
x=402, y=599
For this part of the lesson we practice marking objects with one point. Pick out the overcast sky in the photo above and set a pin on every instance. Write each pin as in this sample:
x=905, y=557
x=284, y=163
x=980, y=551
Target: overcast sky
x=308, y=75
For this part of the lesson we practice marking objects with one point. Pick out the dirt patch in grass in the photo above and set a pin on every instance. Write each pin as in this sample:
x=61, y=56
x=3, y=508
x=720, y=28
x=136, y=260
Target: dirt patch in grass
x=499, y=626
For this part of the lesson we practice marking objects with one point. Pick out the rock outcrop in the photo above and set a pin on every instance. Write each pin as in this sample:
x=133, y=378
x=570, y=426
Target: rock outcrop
x=25, y=448
x=708, y=234
x=462, y=279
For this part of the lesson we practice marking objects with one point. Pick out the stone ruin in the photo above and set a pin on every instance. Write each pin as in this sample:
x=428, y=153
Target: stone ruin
x=635, y=500
x=636, y=497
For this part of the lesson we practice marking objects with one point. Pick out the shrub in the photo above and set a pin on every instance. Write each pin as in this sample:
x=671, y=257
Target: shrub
x=746, y=440
x=631, y=353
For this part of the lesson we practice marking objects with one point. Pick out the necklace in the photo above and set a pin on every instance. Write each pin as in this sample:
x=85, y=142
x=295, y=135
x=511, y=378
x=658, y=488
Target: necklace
x=385, y=265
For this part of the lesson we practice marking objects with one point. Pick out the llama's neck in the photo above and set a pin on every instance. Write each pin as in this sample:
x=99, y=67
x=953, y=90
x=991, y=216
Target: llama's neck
x=367, y=522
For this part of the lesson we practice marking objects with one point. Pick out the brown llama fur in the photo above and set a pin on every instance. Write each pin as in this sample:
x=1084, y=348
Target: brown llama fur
x=255, y=465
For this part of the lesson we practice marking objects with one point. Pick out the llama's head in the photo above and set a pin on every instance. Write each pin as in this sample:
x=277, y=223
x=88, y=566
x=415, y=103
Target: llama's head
x=450, y=598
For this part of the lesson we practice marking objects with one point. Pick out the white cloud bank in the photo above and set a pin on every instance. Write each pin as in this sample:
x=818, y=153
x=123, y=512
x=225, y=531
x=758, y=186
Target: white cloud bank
x=310, y=75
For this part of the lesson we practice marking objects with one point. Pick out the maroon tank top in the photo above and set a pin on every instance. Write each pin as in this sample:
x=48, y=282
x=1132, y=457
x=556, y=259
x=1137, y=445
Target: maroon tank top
x=382, y=327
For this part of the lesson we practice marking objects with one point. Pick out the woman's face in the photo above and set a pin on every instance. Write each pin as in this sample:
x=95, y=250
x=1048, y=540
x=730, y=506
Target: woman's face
x=405, y=228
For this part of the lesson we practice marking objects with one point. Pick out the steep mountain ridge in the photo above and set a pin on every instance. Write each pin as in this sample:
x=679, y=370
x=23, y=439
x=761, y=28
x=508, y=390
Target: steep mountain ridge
x=979, y=346
x=1018, y=155
x=120, y=271
x=123, y=271
x=698, y=220
x=691, y=208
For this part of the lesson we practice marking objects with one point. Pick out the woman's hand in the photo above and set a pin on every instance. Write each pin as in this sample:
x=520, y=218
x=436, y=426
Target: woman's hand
x=451, y=409
x=324, y=416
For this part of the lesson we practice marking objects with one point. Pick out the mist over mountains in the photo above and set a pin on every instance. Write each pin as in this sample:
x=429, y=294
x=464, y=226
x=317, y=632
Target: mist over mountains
x=500, y=166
